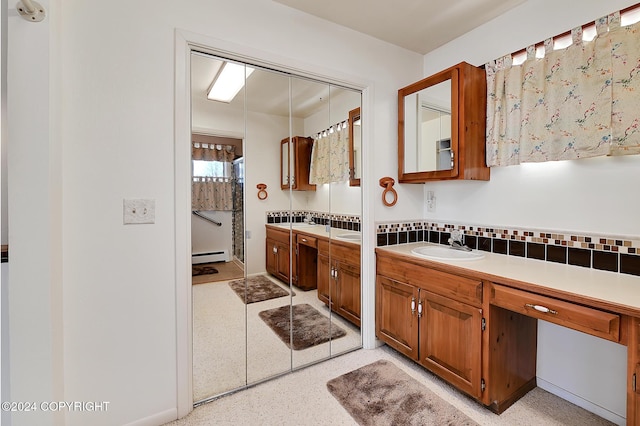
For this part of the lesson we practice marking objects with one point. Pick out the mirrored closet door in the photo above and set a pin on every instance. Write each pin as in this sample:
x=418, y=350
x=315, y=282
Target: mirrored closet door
x=297, y=301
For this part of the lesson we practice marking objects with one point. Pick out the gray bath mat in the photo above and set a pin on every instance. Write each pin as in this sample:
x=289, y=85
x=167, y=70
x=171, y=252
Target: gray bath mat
x=382, y=394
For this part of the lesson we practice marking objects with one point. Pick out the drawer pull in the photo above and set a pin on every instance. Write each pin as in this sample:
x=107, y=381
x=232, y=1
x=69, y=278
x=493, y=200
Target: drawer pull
x=413, y=306
x=541, y=308
x=304, y=240
x=419, y=308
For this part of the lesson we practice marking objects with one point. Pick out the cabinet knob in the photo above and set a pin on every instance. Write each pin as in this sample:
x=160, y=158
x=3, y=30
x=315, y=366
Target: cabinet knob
x=413, y=306
x=420, y=309
x=275, y=249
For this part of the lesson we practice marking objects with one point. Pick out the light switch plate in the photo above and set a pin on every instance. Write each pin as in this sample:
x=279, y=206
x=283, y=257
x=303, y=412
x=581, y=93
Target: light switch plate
x=431, y=201
x=137, y=211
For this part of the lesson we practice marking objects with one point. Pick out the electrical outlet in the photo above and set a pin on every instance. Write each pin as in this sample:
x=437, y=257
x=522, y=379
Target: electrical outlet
x=139, y=211
x=431, y=201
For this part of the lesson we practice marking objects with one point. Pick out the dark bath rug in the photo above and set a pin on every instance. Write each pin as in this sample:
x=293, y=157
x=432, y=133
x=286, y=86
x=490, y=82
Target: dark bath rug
x=310, y=327
x=258, y=288
x=382, y=394
x=203, y=269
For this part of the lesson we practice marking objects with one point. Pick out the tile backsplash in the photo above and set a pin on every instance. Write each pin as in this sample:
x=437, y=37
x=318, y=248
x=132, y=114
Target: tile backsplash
x=609, y=253
x=341, y=221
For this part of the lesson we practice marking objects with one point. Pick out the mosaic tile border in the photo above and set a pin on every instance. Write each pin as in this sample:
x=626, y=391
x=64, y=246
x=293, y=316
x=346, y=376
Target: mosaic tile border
x=608, y=253
x=340, y=221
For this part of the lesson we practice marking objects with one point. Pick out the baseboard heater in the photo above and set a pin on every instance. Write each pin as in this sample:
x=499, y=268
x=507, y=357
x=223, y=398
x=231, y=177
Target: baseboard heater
x=212, y=256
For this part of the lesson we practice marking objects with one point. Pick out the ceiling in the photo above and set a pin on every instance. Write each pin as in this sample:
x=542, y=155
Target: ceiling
x=417, y=25
x=267, y=91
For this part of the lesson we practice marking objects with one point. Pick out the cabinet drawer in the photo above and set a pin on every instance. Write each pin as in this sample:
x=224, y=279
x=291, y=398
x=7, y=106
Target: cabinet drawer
x=307, y=240
x=588, y=320
x=456, y=287
x=337, y=250
x=278, y=235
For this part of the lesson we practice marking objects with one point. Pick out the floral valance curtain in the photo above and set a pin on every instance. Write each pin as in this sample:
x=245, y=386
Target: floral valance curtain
x=573, y=103
x=212, y=190
x=211, y=152
x=330, y=156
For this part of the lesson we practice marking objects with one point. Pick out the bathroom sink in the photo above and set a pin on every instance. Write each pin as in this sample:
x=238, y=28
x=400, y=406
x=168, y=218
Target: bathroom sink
x=349, y=237
x=446, y=253
x=297, y=225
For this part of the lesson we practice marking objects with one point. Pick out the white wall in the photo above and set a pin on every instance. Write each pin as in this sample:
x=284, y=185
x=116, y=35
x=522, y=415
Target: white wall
x=34, y=206
x=589, y=195
x=207, y=237
x=576, y=196
x=4, y=223
x=93, y=110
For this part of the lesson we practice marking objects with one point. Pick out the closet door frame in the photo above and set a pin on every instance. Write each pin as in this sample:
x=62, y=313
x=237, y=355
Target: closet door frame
x=185, y=43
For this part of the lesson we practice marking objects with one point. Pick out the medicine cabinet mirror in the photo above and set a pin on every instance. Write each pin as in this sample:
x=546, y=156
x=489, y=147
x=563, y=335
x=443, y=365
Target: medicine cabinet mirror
x=441, y=126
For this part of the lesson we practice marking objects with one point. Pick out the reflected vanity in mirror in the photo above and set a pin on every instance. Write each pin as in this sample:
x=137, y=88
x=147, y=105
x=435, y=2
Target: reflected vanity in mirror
x=441, y=126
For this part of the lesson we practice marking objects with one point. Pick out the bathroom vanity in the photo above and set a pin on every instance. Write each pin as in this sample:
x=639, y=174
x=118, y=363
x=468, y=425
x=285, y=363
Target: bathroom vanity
x=326, y=261
x=474, y=323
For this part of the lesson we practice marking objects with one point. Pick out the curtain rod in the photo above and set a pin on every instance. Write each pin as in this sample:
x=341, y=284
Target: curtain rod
x=566, y=33
x=340, y=123
x=30, y=10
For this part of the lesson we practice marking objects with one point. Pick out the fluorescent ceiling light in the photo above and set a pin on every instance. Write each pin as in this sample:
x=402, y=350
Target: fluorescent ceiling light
x=228, y=82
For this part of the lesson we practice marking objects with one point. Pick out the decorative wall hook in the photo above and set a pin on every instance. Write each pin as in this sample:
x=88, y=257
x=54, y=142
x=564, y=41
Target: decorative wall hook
x=387, y=183
x=30, y=10
x=262, y=193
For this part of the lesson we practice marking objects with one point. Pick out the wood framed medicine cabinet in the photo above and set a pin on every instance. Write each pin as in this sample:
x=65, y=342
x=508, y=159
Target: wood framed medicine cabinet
x=295, y=163
x=441, y=126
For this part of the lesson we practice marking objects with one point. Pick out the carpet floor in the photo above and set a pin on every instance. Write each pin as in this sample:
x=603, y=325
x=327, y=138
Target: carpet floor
x=232, y=346
x=302, y=398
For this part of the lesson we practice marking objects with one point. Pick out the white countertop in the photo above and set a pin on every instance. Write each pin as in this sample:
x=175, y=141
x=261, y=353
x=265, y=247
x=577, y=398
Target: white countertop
x=621, y=290
x=320, y=231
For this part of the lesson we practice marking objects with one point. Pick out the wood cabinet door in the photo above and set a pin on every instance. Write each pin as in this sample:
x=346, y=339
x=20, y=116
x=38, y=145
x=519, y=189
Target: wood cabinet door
x=396, y=315
x=450, y=341
x=283, y=269
x=271, y=254
x=324, y=278
x=347, y=303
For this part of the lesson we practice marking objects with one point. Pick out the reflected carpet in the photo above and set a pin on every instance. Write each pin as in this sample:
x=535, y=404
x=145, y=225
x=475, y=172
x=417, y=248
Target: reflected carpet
x=310, y=327
x=203, y=269
x=382, y=394
x=226, y=271
x=258, y=288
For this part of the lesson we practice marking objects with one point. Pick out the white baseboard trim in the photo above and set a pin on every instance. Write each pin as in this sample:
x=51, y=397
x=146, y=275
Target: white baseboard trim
x=157, y=419
x=581, y=402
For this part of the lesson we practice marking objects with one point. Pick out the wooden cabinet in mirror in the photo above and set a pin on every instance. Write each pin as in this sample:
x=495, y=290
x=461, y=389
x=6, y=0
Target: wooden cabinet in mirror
x=441, y=126
x=355, y=145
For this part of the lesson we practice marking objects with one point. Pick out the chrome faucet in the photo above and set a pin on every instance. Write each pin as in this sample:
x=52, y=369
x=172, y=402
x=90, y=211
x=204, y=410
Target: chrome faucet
x=309, y=219
x=456, y=241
